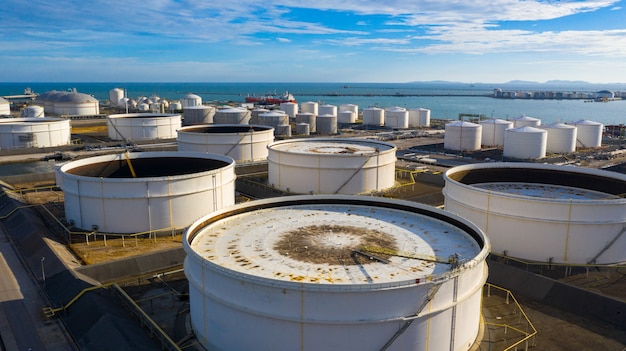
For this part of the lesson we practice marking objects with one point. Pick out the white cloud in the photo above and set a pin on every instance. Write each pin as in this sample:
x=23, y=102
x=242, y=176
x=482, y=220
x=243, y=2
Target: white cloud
x=283, y=40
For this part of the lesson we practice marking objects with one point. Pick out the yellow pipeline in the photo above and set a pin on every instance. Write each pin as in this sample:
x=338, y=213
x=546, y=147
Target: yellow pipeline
x=130, y=165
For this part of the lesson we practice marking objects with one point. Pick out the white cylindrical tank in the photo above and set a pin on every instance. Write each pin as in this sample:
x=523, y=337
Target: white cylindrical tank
x=176, y=106
x=231, y=116
x=191, y=100
x=273, y=119
x=524, y=121
x=308, y=118
x=202, y=114
x=419, y=117
x=525, y=143
x=589, y=134
x=298, y=280
x=561, y=138
x=327, y=110
x=290, y=108
x=326, y=124
x=243, y=143
x=346, y=117
x=543, y=212
x=254, y=114
x=142, y=106
x=373, y=116
x=34, y=132
x=303, y=129
x=309, y=107
x=349, y=107
x=397, y=118
x=331, y=165
x=162, y=191
x=493, y=131
x=32, y=111
x=462, y=136
x=5, y=107
x=283, y=130
x=143, y=126
x=76, y=104
x=115, y=95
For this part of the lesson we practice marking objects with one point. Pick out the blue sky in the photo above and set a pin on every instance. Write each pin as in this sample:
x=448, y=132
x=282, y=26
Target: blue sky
x=312, y=41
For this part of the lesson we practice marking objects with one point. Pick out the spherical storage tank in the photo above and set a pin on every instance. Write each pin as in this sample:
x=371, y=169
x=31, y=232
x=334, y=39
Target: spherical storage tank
x=462, y=136
x=543, y=212
x=143, y=126
x=561, y=138
x=198, y=115
x=331, y=165
x=243, y=143
x=231, y=115
x=589, y=133
x=146, y=191
x=34, y=132
x=373, y=116
x=525, y=143
x=524, y=121
x=5, y=107
x=493, y=131
x=304, y=278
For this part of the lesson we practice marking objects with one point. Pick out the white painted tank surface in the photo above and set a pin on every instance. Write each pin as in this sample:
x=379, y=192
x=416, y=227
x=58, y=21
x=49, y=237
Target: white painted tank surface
x=176, y=106
x=290, y=108
x=48, y=100
x=190, y=99
x=589, y=134
x=523, y=121
x=349, y=107
x=142, y=106
x=34, y=132
x=115, y=95
x=327, y=110
x=243, y=143
x=561, y=138
x=304, y=277
x=309, y=107
x=231, y=115
x=283, y=130
x=493, y=131
x=525, y=143
x=331, y=165
x=326, y=124
x=32, y=111
x=143, y=126
x=202, y=114
x=76, y=104
x=397, y=118
x=419, y=117
x=303, y=129
x=5, y=107
x=254, y=114
x=346, y=117
x=170, y=190
x=373, y=116
x=543, y=212
x=462, y=136
x=273, y=118
x=308, y=118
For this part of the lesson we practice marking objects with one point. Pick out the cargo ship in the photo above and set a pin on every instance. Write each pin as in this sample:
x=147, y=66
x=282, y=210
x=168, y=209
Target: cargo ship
x=271, y=99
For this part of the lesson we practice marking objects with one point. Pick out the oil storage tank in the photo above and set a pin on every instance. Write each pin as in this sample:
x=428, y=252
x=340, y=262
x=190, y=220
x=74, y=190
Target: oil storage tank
x=561, y=138
x=373, y=116
x=524, y=121
x=309, y=107
x=201, y=114
x=232, y=115
x=589, y=133
x=543, y=212
x=525, y=143
x=397, y=118
x=243, y=143
x=308, y=118
x=326, y=124
x=143, y=126
x=304, y=279
x=5, y=107
x=331, y=165
x=419, y=117
x=493, y=131
x=34, y=132
x=145, y=191
x=462, y=136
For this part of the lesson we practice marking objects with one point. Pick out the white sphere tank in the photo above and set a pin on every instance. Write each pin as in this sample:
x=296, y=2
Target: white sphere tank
x=373, y=116
x=231, y=115
x=346, y=117
x=419, y=117
x=290, y=108
x=143, y=126
x=115, y=95
x=397, y=118
x=5, y=107
x=524, y=121
x=273, y=119
x=525, y=143
x=202, y=114
x=297, y=281
x=34, y=132
x=254, y=114
x=303, y=129
x=170, y=190
x=493, y=131
x=191, y=100
x=32, y=111
x=589, y=134
x=326, y=124
x=309, y=107
x=331, y=165
x=462, y=136
x=308, y=118
x=327, y=110
x=543, y=212
x=349, y=107
x=561, y=138
x=243, y=143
